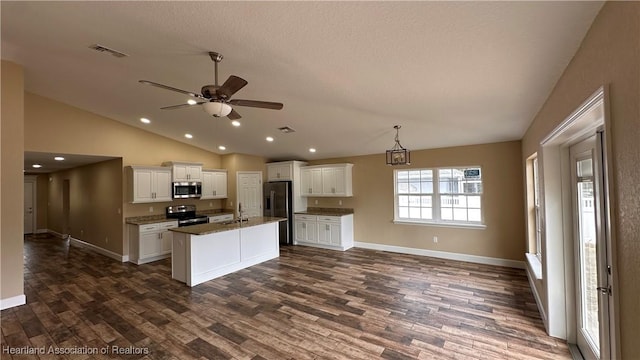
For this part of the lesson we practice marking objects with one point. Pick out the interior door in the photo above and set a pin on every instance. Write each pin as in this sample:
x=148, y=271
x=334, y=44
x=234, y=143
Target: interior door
x=592, y=270
x=29, y=206
x=250, y=193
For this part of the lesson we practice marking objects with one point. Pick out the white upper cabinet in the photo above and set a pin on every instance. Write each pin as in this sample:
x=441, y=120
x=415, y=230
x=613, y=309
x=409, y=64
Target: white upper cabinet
x=149, y=184
x=184, y=171
x=311, y=179
x=214, y=184
x=333, y=180
x=280, y=171
x=290, y=171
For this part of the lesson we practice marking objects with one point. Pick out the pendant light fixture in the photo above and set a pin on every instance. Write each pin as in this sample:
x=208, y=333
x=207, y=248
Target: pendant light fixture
x=398, y=155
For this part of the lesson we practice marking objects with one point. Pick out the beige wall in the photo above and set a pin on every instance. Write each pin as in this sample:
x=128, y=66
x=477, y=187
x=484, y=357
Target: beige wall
x=503, y=201
x=94, y=210
x=11, y=178
x=42, y=205
x=65, y=125
x=65, y=128
x=609, y=55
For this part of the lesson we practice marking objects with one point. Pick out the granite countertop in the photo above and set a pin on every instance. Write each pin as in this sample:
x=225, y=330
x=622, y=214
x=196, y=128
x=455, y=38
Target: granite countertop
x=152, y=219
x=326, y=211
x=204, y=229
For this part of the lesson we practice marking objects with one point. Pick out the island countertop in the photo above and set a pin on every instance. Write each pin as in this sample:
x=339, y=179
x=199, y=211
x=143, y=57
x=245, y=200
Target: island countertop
x=153, y=219
x=203, y=229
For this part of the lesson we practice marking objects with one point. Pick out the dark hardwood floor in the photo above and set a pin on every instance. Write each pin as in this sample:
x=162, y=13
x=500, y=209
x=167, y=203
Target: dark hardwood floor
x=308, y=304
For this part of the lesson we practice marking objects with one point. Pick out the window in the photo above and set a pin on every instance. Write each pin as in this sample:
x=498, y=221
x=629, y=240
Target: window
x=536, y=205
x=439, y=196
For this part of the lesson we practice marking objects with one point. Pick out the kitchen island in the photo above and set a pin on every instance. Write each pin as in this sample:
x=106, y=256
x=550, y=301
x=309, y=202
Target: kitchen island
x=207, y=251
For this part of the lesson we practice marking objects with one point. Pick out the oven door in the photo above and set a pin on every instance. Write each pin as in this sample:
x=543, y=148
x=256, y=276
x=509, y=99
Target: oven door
x=184, y=190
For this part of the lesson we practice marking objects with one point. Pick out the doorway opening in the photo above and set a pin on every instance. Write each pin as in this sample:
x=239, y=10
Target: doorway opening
x=577, y=235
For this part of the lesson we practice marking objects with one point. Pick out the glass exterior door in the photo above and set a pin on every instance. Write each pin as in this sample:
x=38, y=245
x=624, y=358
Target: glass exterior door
x=590, y=250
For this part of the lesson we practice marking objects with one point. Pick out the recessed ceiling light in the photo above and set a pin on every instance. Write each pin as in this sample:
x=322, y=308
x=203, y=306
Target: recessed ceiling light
x=235, y=123
x=188, y=136
x=37, y=166
x=269, y=139
x=145, y=120
x=58, y=158
x=191, y=102
x=312, y=150
x=222, y=147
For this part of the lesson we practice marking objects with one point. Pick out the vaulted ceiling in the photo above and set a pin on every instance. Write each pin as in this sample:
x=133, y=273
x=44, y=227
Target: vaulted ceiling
x=451, y=73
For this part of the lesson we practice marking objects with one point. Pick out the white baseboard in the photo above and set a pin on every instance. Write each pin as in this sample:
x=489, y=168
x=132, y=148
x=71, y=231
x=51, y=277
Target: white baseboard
x=534, y=289
x=13, y=302
x=443, y=255
x=42, y=231
x=99, y=250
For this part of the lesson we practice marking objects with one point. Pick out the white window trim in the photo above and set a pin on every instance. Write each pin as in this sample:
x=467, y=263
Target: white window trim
x=436, y=200
x=449, y=224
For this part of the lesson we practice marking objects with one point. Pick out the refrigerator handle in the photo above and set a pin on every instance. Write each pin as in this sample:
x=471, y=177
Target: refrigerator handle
x=272, y=195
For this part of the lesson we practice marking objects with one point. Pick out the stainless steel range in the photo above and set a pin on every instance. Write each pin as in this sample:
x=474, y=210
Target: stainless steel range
x=186, y=215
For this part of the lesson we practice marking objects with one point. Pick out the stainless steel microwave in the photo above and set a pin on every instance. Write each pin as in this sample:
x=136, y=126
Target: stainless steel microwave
x=183, y=190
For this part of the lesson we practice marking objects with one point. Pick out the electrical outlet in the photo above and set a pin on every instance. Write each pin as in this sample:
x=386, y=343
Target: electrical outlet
x=119, y=211
x=210, y=203
x=316, y=202
x=339, y=202
x=81, y=232
x=435, y=239
x=231, y=203
x=106, y=240
x=150, y=208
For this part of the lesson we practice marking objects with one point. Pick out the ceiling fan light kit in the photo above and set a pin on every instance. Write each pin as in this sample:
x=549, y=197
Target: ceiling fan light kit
x=216, y=109
x=216, y=99
x=398, y=155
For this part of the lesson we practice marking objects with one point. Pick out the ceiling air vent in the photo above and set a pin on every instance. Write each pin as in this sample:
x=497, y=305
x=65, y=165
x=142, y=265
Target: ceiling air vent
x=286, y=129
x=104, y=49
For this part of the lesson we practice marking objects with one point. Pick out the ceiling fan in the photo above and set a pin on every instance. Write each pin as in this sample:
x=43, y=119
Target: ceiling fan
x=216, y=99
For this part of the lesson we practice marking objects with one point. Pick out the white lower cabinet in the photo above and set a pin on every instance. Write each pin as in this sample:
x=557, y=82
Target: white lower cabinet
x=150, y=242
x=306, y=229
x=331, y=232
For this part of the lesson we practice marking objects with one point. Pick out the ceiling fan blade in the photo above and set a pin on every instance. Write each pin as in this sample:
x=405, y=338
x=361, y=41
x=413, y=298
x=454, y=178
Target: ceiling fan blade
x=146, y=82
x=233, y=115
x=231, y=86
x=179, y=106
x=258, y=104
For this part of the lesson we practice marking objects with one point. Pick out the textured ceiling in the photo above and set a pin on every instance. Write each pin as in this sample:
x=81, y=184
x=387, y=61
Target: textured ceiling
x=451, y=73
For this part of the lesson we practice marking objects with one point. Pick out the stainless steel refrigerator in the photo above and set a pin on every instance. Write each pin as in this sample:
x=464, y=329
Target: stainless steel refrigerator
x=278, y=202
